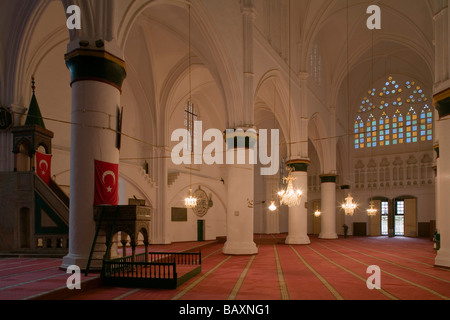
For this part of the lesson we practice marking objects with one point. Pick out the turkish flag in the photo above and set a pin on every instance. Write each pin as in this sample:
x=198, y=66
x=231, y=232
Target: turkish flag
x=106, y=183
x=43, y=163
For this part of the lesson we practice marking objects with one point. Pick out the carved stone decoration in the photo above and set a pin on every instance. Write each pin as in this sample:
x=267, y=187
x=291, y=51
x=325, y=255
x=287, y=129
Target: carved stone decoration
x=203, y=202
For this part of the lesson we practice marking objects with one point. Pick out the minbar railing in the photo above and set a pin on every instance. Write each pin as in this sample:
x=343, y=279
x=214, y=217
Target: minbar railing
x=152, y=270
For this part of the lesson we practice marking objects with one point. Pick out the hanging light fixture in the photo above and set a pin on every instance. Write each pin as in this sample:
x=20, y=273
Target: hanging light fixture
x=349, y=206
x=272, y=206
x=317, y=211
x=190, y=201
x=371, y=211
x=290, y=197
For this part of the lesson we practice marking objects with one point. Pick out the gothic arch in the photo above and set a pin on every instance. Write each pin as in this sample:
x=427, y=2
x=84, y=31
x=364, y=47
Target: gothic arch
x=213, y=53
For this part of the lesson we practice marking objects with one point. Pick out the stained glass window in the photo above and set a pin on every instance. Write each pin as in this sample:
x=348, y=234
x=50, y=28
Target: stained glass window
x=380, y=120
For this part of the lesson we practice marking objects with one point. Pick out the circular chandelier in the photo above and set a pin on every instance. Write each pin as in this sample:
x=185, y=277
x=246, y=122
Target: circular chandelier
x=290, y=196
x=372, y=211
x=190, y=201
x=349, y=206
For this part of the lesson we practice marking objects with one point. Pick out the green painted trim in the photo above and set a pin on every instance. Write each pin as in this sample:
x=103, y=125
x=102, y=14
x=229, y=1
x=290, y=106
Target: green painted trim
x=298, y=165
x=40, y=204
x=328, y=179
x=240, y=139
x=34, y=116
x=86, y=66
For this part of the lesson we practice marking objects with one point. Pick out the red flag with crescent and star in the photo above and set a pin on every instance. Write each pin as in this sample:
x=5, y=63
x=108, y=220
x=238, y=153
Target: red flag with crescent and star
x=43, y=163
x=106, y=183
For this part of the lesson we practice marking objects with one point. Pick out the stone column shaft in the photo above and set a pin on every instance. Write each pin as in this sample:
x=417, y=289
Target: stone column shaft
x=298, y=215
x=97, y=77
x=328, y=221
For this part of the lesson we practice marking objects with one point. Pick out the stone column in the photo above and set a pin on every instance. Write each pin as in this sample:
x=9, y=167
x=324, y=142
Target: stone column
x=442, y=103
x=298, y=215
x=97, y=77
x=328, y=224
x=271, y=218
x=240, y=185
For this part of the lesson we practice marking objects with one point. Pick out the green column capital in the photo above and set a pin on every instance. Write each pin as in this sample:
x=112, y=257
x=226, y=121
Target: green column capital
x=96, y=65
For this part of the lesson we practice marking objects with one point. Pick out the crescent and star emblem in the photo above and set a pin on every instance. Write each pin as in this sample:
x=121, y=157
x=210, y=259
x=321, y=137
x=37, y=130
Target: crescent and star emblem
x=109, y=173
x=46, y=166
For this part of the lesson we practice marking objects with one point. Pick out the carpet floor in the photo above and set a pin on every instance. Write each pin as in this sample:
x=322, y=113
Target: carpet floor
x=322, y=270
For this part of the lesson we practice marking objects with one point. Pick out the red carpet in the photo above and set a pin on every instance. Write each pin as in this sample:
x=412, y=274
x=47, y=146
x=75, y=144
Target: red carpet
x=323, y=270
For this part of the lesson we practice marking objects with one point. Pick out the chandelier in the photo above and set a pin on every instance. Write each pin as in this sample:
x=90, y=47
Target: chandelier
x=372, y=211
x=349, y=206
x=317, y=212
x=290, y=197
x=190, y=201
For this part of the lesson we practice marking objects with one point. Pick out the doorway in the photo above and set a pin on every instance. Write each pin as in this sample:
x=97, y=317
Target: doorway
x=200, y=230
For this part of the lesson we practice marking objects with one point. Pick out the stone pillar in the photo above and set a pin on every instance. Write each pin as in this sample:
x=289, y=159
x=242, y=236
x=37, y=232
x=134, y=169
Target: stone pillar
x=271, y=218
x=328, y=187
x=298, y=215
x=240, y=185
x=97, y=77
x=442, y=103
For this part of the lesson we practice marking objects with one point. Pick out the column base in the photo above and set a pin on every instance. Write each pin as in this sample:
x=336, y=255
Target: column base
x=74, y=260
x=240, y=248
x=297, y=240
x=443, y=258
x=328, y=236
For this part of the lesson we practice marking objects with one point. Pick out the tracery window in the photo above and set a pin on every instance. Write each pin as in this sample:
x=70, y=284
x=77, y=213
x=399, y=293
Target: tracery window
x=397, y=113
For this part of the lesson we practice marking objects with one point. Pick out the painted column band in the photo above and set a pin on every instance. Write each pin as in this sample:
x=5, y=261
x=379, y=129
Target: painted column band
x=329, y=178
x=442, y=103
x=238, y=138
x=299, y=165
x=97, y=66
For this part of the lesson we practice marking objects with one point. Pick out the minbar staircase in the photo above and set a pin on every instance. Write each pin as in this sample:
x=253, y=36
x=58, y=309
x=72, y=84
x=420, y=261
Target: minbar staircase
x=34, y=217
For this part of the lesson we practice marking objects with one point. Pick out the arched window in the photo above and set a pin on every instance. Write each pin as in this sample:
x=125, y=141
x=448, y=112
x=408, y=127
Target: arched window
x=381, y=113
x=371, y=132
x=359, y=133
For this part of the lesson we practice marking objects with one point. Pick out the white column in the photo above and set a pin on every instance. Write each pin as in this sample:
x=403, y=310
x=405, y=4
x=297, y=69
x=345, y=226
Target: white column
x=443, y=172
x=298, y=215
x=328, y=190
x=93, y=137
x=441, y=101
x=240, y=201
x=272, y=222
